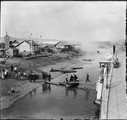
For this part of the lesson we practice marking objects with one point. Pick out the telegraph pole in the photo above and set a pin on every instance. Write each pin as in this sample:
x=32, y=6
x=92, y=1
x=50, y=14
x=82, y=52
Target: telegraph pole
x=41, y=38
x=31, y=43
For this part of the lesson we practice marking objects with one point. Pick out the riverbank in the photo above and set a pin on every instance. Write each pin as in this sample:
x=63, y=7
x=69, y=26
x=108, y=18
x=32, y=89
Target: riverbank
x=44, y=64
x=23, y=87
x=7, y=101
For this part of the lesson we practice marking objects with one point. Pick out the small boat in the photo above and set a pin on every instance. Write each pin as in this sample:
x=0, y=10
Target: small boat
x=54, y=70
x=77, y=67
x=72, y=84
x=67, y=71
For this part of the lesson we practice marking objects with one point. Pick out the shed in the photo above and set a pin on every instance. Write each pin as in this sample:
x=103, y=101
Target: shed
x=27, y=46
x=13, y=52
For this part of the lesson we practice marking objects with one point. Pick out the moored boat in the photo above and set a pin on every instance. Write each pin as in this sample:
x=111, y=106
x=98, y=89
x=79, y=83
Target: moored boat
x=72, y=84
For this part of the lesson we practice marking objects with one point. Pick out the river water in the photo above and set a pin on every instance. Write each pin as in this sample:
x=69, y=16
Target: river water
x=50, y=101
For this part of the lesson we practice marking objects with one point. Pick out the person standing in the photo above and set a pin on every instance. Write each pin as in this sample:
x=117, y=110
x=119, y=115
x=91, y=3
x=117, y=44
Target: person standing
x=2, y=75
x=12, y=90
x=15, y=69
x=87, y=78
x=49, y=77
x=6, y=73
x=34, y=76
x=12, y=68
x=16, y=75
x=42, y=75
x=75, y=77
x=71, y=78
x=66, y=78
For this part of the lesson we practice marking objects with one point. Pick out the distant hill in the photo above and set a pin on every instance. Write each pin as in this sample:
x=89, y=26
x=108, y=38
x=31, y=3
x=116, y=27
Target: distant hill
x=35, y=39
x=38, y=40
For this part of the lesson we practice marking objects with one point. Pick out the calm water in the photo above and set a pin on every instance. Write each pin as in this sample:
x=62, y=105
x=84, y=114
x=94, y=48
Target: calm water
x=50, y=101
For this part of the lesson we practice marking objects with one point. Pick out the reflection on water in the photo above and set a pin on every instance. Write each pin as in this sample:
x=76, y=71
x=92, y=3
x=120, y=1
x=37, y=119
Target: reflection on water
x=50, y=101
x=74, y=90
x=33, y=92
x=46, y=87
x=87, y=95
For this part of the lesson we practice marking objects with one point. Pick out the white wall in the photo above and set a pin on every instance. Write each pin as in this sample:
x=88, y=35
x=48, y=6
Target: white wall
x=24, y=47
x=10, y=52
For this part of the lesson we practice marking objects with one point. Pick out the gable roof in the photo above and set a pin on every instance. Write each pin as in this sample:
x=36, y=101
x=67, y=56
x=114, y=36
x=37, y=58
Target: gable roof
x=50, y=42
x=27, y=41
x=15, y=42
x=62, y=43
x=13, y=48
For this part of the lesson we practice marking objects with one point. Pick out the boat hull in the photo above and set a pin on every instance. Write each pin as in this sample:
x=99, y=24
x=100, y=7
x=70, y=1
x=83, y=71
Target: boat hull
x=72, y=84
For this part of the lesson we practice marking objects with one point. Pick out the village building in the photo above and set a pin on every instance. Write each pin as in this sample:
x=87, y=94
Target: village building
x=64, y=46
x=28, y=46
x=14, y=43
x=12, y=52
x=2, y=53
x=49, y=45
x=2, y=49
x=2, y=45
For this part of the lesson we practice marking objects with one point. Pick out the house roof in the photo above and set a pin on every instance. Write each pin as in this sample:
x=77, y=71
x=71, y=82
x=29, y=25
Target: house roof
x=49, y=45
x=15, y=42
x=29, y=42
x=13, y=48
x=60, y=43
x=19, y=44
x=50, y=42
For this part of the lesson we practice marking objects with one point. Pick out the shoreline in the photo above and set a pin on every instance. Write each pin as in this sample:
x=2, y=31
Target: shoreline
x=9, y=100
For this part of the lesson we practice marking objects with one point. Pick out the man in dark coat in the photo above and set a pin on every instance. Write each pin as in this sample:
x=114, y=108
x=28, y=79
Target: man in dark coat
x=12, y=68
x=75, y=77
x=49, y=77
x=71, y=78
x=87, y=78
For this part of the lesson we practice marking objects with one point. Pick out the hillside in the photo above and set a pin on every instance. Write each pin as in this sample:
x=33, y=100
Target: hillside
x=39, y=40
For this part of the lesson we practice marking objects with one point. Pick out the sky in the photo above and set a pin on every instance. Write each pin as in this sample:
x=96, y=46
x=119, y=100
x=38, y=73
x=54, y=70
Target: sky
x=64, y=20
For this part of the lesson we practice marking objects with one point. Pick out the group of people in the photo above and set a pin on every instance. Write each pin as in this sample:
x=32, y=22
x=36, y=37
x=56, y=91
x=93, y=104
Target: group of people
x=73, y=78
x=13, y=69
x=46, y=76
x=4, y=73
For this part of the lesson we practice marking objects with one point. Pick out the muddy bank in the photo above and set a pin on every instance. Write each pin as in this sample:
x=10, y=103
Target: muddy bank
x=23, y=87
x=7, y=101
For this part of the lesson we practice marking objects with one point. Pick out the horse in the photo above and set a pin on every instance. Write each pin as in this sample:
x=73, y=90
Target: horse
x=32, y=77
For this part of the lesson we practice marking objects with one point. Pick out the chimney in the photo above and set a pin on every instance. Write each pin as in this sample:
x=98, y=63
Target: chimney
x=7, y=41
x=114, y=49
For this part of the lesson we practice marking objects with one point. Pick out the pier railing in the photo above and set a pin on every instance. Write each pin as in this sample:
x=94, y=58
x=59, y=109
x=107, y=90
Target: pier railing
x=106, y=90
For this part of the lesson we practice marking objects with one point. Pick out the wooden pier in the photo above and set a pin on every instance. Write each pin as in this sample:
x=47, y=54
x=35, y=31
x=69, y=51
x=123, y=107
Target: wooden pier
x=114, y=97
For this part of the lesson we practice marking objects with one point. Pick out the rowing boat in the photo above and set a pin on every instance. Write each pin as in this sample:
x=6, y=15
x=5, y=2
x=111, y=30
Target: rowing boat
x=72, y=84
